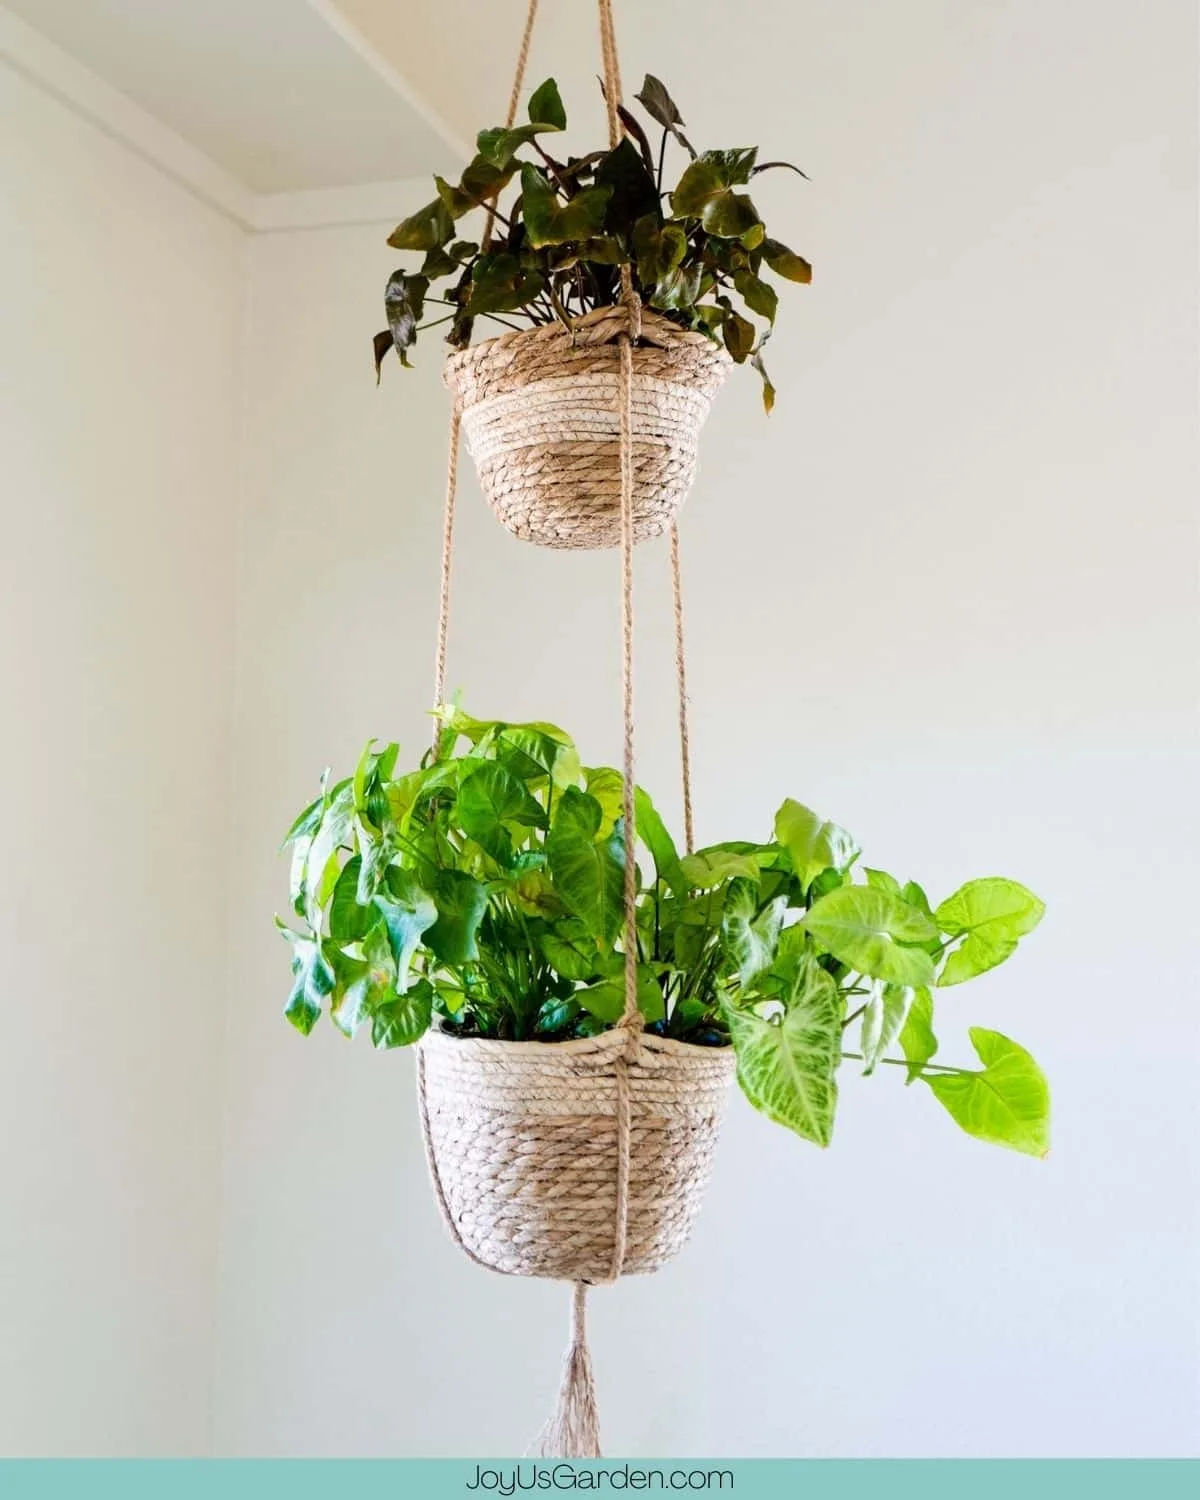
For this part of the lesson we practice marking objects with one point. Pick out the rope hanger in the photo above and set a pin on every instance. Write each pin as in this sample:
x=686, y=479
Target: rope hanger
x=573, y=1431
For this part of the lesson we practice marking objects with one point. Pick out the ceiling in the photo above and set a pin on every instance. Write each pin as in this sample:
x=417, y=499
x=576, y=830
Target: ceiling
x=283, y=94
x=294, y=95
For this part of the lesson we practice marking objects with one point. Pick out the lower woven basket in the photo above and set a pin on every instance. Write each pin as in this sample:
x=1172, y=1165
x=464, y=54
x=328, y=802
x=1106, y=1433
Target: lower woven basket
x=541, y=414
x=523, y=1147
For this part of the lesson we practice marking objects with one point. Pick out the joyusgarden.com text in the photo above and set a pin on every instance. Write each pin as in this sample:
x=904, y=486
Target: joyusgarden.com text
x=564, y=1476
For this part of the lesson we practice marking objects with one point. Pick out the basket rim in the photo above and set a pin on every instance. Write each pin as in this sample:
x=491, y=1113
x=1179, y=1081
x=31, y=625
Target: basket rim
x=610, y=1040
x=656, y=329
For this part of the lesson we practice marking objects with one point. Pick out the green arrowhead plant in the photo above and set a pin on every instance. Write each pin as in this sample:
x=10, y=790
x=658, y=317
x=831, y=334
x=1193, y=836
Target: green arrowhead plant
x=482, y=892
x=698, y=252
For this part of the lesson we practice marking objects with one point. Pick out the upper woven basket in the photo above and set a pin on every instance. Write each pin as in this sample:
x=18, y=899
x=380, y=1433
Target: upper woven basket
x=541, y=411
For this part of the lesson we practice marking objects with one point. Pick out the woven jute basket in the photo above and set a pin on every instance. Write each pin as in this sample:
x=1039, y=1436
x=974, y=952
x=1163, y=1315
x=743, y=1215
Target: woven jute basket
x=540, y=410
x=523, y=1146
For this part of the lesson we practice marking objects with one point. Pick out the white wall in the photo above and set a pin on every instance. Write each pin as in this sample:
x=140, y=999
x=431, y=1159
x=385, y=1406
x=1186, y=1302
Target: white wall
x=120, y=322
x=948, y=595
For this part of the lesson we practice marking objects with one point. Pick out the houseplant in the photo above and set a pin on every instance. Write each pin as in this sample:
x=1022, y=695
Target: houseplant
x=481, y=894
x=563, y=248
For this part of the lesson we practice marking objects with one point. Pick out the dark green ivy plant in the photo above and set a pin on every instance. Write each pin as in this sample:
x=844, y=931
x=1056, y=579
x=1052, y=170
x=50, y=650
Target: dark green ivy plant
x=697, y=251
x=483, y=893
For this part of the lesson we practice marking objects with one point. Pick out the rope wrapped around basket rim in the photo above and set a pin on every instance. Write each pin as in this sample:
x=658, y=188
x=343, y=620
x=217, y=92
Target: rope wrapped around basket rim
x=573, y=1429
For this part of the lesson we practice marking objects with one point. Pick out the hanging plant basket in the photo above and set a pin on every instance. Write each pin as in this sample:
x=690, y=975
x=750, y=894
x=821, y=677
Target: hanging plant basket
x=540, y=409
x=524, y=1146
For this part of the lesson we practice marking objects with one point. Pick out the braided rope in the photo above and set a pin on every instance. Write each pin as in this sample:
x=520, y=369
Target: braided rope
x=685, y=739
x=521, y=1139
x=439, y=661
x=514, y=100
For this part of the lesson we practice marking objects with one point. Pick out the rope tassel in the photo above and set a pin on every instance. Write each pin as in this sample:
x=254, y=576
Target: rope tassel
x=574, y=1429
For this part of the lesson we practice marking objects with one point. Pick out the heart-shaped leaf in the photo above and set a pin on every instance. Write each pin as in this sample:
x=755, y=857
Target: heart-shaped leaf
x=993, y=914
x=1007, y=1104
x=917, y=1040
x=551, y=222
x=785, y=262
x=658, y=104
x=428, y=227
x=813, y=843
x=588, y=871
x=787, y=1066
x=887, y=1011
x=872, y=931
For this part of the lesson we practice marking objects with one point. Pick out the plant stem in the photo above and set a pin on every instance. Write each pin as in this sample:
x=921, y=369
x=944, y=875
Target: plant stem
x=853, y=1016
x=900, y=1062
x=662, y=156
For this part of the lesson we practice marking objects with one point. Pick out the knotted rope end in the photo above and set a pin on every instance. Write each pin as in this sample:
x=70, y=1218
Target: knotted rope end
x=574, y=1429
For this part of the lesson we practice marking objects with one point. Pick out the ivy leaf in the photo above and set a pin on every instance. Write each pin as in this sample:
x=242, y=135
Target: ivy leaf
x=606, y=1000
x=653, y=833
x=489, y=799
x=481, y=182
x=787, y=1067
x=887, y=1011
x=739, y=336
x=678, y=290
x=408, y=912
x=348, y=920
x=588, y=872
x=882, y=881
x=658, y=104
x=461, y=902
x=550, y=222
x=633, y=193
x=657, y=247
x=546, y=106
x=736, y=165
x=768, y=390
x=427, y=228
x=607, y=785
x=313, y=979
x=403, y=1019
x=710, y=867
x=917, y=1040
x=705, y=191
x=813, y=844
x=404, y=302
x=383, y=346
x=350, y=1001
x=994, y=914
x=871, y=930
x=785, y=262
x=499, y=145
x=757, y=295
x=306, y=822
x=1007, y=1104
x=499, y=283
x=321, y=866
x=573, y=951
x=751, y=937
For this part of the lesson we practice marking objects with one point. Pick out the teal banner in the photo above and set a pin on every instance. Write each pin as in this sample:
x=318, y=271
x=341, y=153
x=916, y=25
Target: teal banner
x=478, y=1479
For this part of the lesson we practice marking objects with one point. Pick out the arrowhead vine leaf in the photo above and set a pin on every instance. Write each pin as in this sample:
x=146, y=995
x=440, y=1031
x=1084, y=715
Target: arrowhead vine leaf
x=483, y=892
x=559, y=233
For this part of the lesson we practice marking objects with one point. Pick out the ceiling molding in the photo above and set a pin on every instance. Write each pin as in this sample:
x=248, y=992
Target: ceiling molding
x=335, y=17
x=381, y=203
x=36, y=58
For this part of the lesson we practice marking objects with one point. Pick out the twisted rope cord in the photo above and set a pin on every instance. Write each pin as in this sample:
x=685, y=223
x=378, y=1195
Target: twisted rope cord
x=631, y=1016
x=439, y=661
x=514, y=99
x=574, y=1430
x=439, y=672
x=685, y=746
